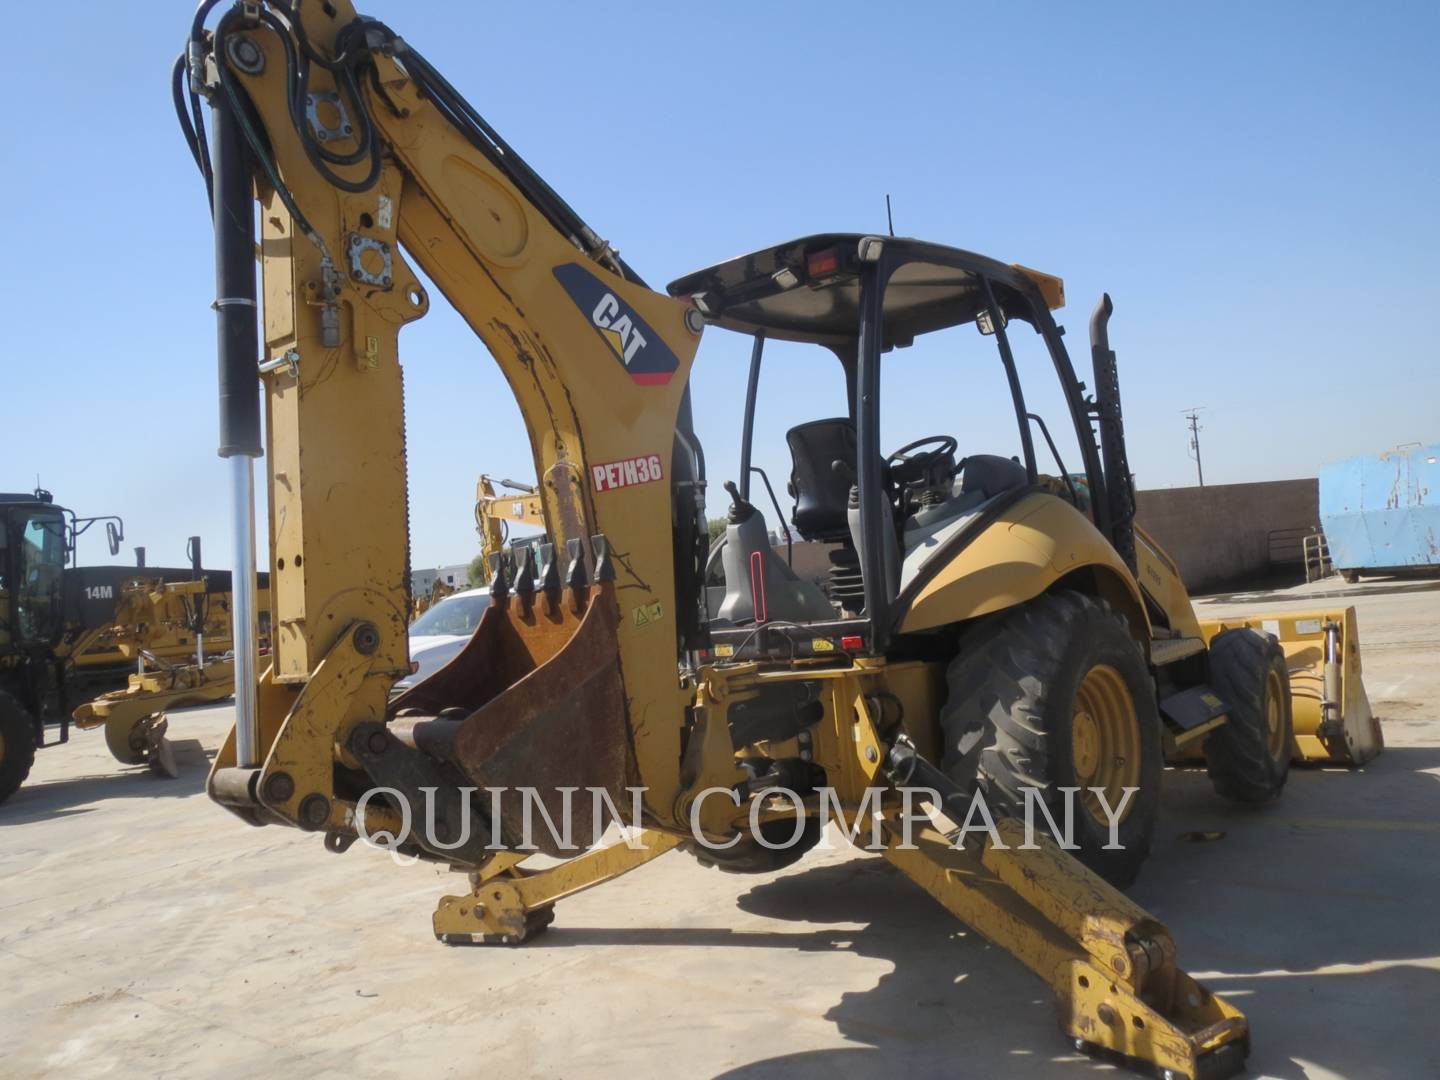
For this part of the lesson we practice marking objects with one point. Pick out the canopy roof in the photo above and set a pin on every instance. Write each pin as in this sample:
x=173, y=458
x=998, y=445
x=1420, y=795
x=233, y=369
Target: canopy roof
x=809, y=289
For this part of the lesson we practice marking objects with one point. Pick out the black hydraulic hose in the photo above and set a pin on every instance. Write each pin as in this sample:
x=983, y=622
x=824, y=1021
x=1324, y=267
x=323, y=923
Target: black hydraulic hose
x=296, y=80
x=235, y=305
x=240, y=108
x=187, y=127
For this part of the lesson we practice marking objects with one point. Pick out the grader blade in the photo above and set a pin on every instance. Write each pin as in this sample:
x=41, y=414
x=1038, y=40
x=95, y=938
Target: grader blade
x=534, y=705
x=1331, y=711
x=131, y=716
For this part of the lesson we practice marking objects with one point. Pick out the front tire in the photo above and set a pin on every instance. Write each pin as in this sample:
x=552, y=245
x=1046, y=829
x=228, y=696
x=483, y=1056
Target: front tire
x=17, y=745
x=1248, y=756
x=125, y=737
x=1053, y=694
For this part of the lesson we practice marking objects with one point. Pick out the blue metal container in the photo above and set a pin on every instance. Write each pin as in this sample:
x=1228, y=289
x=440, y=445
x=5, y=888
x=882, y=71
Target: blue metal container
x=1383, y=512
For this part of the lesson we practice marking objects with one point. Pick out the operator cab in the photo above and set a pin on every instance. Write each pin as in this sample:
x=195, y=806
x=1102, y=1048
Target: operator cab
x=892, y=517
x=34, y=546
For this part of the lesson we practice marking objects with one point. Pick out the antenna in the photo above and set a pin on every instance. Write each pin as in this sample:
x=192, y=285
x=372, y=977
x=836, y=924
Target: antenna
x=1193, y=416
x=889, y=219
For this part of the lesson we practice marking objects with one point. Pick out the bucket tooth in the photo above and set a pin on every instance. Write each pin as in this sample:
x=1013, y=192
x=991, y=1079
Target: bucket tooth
x=604, y=568
x=549, y=569
x=525, y=572
x=499, y=583
x=576, y=576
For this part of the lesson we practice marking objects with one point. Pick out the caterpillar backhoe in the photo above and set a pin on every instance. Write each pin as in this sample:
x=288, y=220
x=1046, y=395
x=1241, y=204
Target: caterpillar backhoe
x=517, y=503
x=985, y=630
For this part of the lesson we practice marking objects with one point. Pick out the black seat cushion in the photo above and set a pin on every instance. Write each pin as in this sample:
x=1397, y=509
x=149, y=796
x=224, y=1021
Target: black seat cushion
x=990, y=474
x=822, y=495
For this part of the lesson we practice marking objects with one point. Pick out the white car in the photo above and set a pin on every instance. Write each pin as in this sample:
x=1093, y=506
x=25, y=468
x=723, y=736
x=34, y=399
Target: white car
x=439, y=634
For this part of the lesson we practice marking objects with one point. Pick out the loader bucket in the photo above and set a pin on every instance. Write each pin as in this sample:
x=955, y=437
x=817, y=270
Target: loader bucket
x=1332, y=719
x=533, y=701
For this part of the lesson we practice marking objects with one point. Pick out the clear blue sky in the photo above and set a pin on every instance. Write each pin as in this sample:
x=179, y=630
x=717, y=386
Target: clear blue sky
x=1255, y=184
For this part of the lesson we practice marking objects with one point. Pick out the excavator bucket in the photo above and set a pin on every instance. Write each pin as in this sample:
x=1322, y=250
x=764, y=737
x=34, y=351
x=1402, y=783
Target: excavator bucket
x=1331, y=712
x=533, y=701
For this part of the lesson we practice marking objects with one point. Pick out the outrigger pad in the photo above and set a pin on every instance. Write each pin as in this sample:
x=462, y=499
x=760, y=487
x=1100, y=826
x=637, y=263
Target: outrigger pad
x=544, y=709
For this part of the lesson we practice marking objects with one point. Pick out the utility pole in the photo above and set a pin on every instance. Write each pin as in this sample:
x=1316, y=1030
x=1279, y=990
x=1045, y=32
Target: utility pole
x=1193, y=416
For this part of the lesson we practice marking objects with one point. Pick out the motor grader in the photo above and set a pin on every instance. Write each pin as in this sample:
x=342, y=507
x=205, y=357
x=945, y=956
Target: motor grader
x=150, y=613
x=986, y=630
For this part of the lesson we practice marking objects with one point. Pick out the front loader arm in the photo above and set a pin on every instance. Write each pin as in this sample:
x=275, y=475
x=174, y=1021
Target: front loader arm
x=598, y=365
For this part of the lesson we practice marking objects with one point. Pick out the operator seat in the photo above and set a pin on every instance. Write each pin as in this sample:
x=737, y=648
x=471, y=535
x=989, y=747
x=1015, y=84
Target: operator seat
x=822, y=493
x=990, y=474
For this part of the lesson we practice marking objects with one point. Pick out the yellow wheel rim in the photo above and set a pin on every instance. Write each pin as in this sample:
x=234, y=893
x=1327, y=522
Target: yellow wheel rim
x=1275, y=716
x=1105, y=741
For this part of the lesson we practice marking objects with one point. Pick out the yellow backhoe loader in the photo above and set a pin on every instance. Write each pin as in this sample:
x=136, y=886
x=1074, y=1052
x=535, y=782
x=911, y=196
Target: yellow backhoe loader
x=983, y=635
x=494, y=512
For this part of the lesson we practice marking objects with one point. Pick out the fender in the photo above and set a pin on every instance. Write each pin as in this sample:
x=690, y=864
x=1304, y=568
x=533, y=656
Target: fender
x=1028, y=547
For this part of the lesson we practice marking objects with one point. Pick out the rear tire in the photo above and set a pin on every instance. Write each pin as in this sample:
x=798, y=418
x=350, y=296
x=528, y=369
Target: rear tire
x=17, y=745
x=1248, y=757
x=1056, y=693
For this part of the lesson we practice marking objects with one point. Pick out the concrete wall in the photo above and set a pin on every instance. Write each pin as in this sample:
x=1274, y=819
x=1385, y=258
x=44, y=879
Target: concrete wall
x=1232, y=535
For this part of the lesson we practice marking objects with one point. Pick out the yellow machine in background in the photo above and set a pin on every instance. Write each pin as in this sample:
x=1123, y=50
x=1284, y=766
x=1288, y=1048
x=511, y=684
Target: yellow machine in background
x=423, y=602
x=494, y=512
x=151, y=613
x=980, y=634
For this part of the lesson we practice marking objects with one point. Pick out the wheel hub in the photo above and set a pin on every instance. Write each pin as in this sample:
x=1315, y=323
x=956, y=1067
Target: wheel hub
x=1275, y=717
x=1105, y=741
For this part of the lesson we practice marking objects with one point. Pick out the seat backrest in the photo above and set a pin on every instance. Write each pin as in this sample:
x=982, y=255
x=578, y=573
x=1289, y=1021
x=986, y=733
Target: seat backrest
x=822, y=495
x=990, y=474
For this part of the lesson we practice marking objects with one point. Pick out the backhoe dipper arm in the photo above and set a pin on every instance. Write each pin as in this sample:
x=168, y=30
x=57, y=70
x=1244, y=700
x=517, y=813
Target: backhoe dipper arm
x=359, y=155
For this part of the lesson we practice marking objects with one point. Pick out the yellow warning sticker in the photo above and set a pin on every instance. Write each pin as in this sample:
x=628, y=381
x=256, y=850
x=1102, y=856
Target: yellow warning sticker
x=822, y=644
x=724, y=650
x=646, y=614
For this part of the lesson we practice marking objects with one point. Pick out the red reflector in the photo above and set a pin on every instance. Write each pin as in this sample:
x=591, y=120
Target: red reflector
x=823, y=262
x=852, y=641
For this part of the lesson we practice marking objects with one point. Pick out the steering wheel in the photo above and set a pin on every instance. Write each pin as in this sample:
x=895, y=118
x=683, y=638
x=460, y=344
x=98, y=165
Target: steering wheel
x=946, y=445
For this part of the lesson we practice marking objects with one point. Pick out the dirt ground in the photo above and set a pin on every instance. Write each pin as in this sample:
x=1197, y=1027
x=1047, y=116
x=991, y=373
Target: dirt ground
x=144, y=931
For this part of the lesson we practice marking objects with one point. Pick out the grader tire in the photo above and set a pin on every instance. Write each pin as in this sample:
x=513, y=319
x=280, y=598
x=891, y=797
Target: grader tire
x=126, y=740
x=1055, y=693
x=17, y=745
x=1248, y=757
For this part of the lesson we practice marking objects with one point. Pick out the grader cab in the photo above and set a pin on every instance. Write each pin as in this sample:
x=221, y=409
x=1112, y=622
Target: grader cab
x=990, y=635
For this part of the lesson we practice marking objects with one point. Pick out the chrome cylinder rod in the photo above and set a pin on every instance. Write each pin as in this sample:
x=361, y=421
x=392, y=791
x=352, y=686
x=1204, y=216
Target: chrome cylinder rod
x=242, y=592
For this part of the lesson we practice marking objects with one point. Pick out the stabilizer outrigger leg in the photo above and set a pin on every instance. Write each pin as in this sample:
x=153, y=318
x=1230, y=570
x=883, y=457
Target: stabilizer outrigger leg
x=508, y=905
x=1110, y=964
